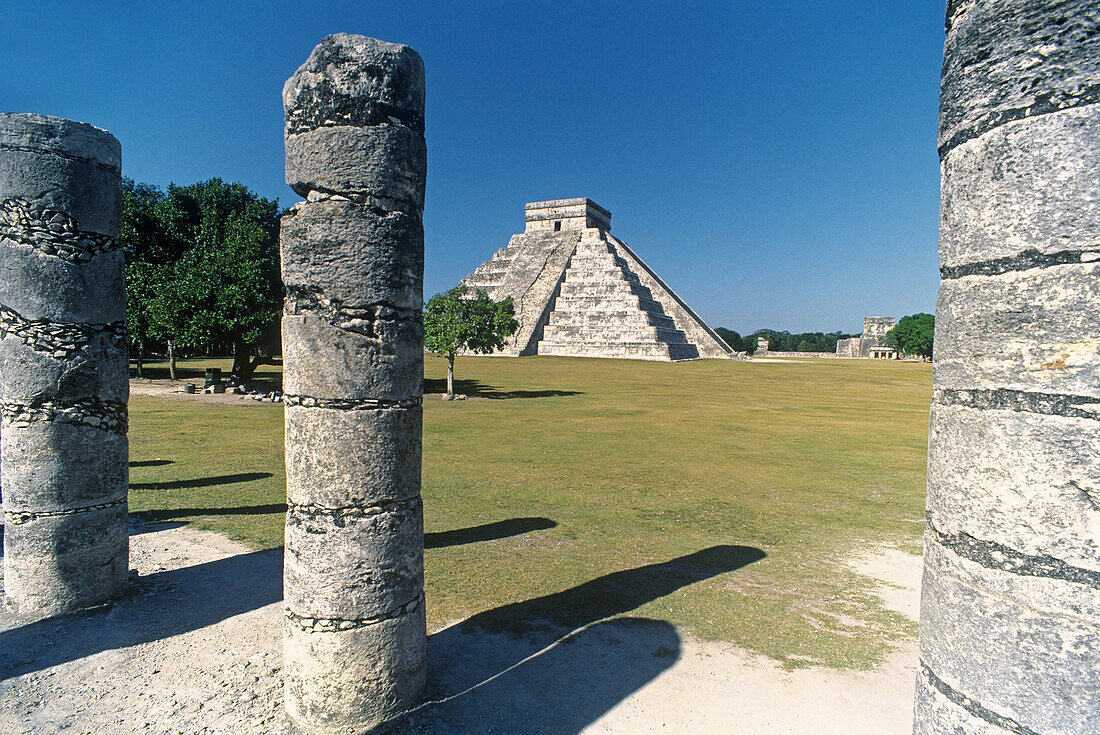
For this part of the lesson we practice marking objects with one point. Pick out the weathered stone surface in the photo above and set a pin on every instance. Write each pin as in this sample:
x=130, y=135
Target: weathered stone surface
x=379, y=457
x=353, y=259
x=323, y=360
x=356, y=256
x=1010, y=609
x=63, y=166
x=1045, y=502
x=1012, y=59
x=1019, y=198
x=63, y=373
x=351, y=680
x=579, y=291
x=70, y=367
x=357, y=562
x=1016, y=644
x=34, y=481
x=997, y=331
x=56, y=564
x=354, y=80
x=386, y=161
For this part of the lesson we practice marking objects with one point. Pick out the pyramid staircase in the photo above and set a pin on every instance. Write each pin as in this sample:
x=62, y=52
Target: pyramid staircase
x=602, y=309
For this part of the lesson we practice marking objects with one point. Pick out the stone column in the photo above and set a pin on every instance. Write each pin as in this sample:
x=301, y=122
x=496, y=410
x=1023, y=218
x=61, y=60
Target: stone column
x=352, y=259
x=1010, y=610
x=63, y=365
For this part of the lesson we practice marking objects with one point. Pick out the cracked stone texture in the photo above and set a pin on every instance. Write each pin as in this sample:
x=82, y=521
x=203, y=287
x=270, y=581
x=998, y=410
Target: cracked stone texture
x=379, y=461
x=355, y=256
x=352, y=261
x=61, y=460
x=1010, y=610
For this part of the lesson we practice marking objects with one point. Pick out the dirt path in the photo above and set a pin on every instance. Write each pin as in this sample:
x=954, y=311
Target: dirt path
x=196, y=648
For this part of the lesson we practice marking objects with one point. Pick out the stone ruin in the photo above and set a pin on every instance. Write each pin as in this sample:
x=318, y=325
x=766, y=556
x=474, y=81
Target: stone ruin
x=63, y=366
x=580, y=291
x=353, y=262
x=1010, y=608
x=874, y=336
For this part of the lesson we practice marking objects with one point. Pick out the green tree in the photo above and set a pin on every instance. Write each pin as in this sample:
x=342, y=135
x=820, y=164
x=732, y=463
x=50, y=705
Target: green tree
x=913, y=335
x=457, y=322
x=225, y=286
x=147, y=262
x=730, y=337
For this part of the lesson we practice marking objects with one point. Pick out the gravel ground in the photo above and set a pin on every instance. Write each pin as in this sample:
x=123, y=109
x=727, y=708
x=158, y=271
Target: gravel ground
x=195, y=647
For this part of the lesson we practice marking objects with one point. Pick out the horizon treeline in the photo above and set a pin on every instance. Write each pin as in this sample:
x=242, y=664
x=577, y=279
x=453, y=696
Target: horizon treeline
x=783, y=341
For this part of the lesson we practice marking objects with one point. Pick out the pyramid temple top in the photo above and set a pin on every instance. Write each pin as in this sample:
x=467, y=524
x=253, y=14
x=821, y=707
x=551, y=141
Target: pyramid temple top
x=565, y=214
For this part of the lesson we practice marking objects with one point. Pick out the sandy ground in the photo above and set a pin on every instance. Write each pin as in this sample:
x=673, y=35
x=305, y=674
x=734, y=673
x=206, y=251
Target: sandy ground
x=195, y=647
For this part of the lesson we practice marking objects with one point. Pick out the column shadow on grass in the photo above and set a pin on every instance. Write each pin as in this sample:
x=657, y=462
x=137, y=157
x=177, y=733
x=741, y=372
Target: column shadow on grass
x=157, y=606
x=150, y=462
x=201, y=481
x=477, y=389
x=556, y=663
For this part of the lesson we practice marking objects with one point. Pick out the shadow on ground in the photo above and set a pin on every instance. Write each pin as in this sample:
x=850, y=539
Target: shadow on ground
x=167, y=514
x=157, y=606
x=477, y=389
x=556, y=664
x=201, y=481
x=486, y=532
x=149, y=462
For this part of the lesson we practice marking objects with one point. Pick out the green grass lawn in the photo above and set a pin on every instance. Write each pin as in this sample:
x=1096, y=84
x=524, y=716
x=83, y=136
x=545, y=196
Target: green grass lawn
x=674, y=476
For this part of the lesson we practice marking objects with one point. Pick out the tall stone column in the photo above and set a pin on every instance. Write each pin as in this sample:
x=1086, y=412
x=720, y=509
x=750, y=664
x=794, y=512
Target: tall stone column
x=63, y=365
x=353, y=260
x=1010, y=610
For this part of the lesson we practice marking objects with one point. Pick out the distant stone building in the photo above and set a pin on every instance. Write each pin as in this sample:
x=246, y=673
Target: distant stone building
x=872, y=343
x=580, y=291
x=761, y=347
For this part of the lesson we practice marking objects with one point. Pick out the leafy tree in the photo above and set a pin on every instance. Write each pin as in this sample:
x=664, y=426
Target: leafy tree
x=146, y=261
x=913, y=335
x=457, y=322
x=225, y=287
x=730, y=337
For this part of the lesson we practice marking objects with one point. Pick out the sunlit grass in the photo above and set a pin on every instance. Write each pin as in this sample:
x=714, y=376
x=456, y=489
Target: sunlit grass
x=636, y=463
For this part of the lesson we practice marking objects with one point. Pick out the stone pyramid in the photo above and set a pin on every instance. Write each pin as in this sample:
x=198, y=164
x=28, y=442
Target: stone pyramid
x=580, y=291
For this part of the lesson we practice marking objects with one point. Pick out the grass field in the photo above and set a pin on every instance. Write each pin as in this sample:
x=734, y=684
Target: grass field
x=721, y=496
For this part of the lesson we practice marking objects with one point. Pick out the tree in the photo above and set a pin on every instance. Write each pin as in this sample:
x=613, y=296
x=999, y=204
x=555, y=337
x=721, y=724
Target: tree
x=144, y=243
x=225, y=287
x=730, y=337
x=457, y=322
x=913, y=335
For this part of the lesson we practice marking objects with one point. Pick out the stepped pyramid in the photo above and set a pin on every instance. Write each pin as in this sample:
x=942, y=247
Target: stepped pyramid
x=580, y=291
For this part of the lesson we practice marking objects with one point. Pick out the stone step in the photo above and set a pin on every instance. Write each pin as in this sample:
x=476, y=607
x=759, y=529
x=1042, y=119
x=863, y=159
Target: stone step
x=584, y=263
x=626, y=318
x=636, y=350
x=619, y=302
x=591, y=288
x=612, y=333
x=597, y=275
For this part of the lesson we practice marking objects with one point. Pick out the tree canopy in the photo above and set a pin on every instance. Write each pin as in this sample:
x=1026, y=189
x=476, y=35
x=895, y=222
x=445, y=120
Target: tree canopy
x=457, y=321
x=202, y=267
x=783, y=341
x=913, y=335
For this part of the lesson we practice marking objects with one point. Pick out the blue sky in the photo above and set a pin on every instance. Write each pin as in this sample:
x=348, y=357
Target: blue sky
x=774, y=161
